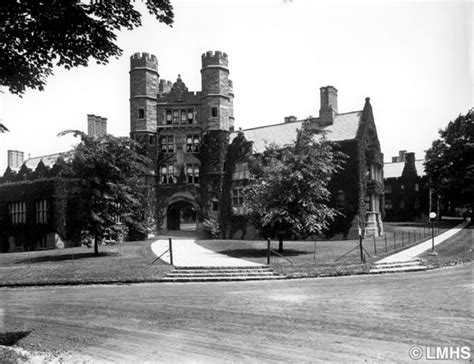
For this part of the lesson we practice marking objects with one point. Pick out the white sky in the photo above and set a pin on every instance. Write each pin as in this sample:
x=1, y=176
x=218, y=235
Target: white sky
x=412, y=58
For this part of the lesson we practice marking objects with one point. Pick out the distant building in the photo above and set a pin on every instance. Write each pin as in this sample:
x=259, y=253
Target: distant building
x=407, y=196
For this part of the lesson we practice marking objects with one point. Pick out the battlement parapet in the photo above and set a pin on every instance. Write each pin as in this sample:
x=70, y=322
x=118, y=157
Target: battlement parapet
x=188, y=97
x=216, y=58
x=143, y=59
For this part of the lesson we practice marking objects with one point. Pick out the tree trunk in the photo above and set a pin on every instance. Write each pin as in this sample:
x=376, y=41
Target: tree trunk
x=280, y=245
x=96, y=246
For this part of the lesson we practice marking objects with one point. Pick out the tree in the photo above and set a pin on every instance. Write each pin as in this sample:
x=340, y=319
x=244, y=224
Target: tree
x=288, y=196
x=449, y=162
x=112, y=173
x=36, y=35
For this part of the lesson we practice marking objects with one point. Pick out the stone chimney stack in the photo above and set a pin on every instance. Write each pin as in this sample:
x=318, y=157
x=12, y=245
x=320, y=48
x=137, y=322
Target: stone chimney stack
x=96, y=126
x=402, y=155
x=328, y=109
x=409, y=168
x=15, y=159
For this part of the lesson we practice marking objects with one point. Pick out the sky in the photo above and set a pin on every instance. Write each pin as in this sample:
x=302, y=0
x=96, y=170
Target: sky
x=414, y=59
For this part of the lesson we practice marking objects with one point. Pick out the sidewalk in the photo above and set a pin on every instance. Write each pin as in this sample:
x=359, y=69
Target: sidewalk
x=186, y=253
x=411, y=253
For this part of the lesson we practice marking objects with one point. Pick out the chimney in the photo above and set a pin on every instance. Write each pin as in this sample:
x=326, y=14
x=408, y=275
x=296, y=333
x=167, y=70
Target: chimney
x=15, y=159
x=394, y=159
x=401, y=155
x=96, y=126
x=328, y=109
x=290, y=119
x=409, y=168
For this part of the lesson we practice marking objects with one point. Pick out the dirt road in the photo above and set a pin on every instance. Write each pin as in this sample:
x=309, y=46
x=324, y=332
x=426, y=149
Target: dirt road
x=356, y=319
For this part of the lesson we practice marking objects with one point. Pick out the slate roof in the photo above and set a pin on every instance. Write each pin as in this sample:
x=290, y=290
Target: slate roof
x=345, y=127
x=394, y=170
x=48, y=160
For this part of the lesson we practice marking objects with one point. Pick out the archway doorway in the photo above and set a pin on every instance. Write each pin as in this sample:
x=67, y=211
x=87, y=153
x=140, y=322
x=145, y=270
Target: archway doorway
x=181, y=215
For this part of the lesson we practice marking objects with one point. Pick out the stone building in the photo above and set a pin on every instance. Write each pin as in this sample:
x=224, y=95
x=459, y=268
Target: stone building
x=407, y=193
x=38, y=204
x=190, y=135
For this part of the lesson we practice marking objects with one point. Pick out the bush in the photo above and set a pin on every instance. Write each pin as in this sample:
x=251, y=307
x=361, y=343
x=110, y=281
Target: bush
x=211, y=228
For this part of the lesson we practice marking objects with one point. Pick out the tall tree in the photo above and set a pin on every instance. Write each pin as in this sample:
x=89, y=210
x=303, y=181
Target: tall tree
x=449, y=162
x=112, y=179
x=38, y=34
x=288, y=196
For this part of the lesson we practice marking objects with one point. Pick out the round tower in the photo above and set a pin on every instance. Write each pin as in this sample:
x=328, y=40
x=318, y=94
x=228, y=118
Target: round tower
x=217, y=94
x=144, y=84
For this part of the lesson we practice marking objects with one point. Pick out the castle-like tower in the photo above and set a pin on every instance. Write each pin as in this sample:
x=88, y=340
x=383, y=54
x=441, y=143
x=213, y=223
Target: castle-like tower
x=186, y=133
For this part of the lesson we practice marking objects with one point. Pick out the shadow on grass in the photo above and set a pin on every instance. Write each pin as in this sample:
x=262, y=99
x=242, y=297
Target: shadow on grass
x=67, y=256
x=260, y=253
x=11, y=338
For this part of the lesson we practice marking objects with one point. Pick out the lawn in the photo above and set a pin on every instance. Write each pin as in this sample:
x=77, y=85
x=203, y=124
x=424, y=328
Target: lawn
x=125, y=262
x=454, y=250
x=328, y=257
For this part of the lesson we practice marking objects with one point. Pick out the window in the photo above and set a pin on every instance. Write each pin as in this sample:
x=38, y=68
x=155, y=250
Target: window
x=214, y=112
x=237, y=196
x=190, y=116
x=151, y=140
x=184, y=117
x=192, y=173
x=141, y=113
x=169, y=117
x=388, y=204
x=388, y=188
x=241, y=171
x=17, y=212
x=192, y=143
x=41, y=212
x=167, y=174
x=175, y=117
x=167, y=144
x=340, y=198
x=215, y=206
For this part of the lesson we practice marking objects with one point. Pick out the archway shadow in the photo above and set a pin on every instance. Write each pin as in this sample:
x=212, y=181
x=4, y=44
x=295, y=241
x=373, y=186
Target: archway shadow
x=11, y=338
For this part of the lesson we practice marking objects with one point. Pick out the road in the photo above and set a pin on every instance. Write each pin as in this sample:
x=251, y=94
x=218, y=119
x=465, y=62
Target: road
x=349, y=319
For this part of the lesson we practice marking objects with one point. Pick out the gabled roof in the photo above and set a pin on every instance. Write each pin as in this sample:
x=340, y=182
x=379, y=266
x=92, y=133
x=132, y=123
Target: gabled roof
x=48, y=160
x=344, y=127
x=394, y=170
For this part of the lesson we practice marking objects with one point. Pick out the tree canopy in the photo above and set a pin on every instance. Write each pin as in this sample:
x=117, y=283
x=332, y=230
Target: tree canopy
x=112, y=184
x=289, y=194
x=449, y=162
x=37, y=35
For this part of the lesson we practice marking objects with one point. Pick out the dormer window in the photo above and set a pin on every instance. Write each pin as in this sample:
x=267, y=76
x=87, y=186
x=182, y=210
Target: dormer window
x=141, y=113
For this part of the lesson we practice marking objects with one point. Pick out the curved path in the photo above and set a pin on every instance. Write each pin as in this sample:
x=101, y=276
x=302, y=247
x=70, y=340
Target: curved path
x=186, y=253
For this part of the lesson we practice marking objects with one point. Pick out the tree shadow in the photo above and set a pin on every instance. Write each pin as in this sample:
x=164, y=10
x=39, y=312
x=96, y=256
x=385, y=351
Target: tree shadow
x=260, y=253
x=11, y=338
x=66, y=256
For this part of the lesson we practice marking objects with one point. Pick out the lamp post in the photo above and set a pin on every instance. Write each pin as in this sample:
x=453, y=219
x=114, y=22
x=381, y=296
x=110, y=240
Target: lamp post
x=432, y=218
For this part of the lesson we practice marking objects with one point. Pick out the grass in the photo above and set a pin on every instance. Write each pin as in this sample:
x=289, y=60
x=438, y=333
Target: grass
x=455, y=250
x=333, y=257
x=130, y=262
x=123, y=263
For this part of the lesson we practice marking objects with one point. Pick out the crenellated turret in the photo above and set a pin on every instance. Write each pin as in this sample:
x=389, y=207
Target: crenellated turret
x=143, y=90
x=217, y=93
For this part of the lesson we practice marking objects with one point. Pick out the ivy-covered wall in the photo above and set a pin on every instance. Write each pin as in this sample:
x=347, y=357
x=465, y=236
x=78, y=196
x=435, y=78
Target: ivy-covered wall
x=59, y=194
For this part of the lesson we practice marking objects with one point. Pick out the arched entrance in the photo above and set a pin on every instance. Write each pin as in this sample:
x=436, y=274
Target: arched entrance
x=181, y=215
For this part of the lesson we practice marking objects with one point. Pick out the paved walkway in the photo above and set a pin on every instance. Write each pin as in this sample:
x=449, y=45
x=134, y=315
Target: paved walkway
x=413, y=252
x=186, y=253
